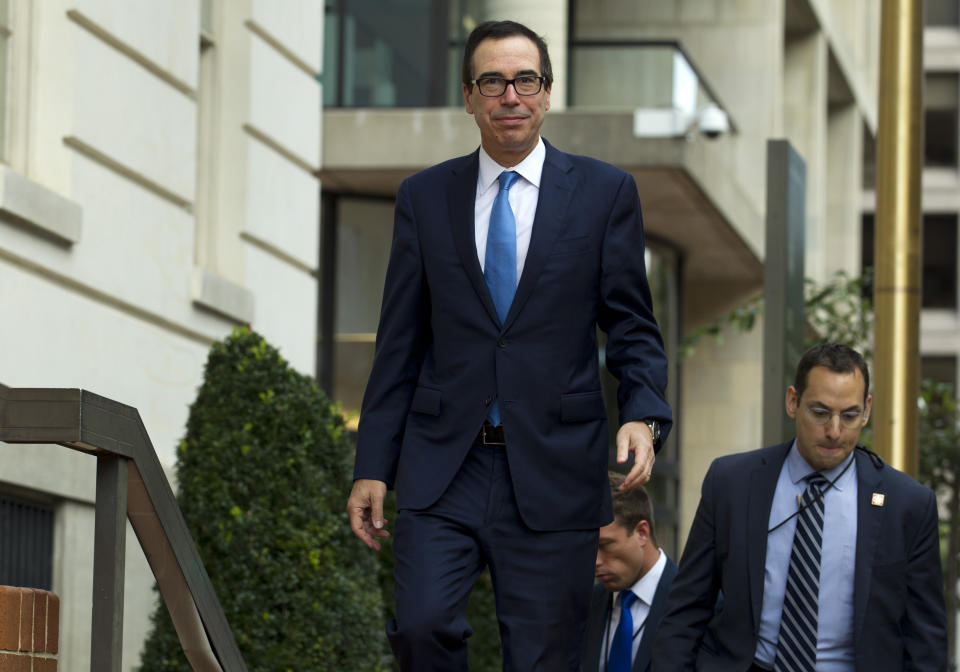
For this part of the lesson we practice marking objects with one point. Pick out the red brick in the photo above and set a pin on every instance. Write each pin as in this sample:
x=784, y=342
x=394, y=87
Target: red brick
x=9, y=618
x=53, y=623
x=44, y=665
x=39, y=620
x=26, y=619
x=11, y=662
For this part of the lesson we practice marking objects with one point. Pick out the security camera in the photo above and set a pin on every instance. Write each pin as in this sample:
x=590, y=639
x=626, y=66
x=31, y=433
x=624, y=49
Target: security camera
x=713, y=121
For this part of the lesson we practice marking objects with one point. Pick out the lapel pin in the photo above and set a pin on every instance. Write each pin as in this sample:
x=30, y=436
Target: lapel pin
x=877, y=499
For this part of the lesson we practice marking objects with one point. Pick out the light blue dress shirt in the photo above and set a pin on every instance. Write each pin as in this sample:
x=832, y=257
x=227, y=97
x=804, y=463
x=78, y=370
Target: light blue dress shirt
x=837, y=560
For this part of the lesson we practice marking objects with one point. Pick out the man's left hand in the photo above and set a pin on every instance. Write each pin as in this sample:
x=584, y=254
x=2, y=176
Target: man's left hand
x=635, y=437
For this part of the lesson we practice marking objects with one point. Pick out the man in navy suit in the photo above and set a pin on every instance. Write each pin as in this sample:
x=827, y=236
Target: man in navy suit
x=628, y=562
x=878, y=601
x=484, y=407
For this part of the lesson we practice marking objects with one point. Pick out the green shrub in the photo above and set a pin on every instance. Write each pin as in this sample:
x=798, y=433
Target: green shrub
x=263, y=474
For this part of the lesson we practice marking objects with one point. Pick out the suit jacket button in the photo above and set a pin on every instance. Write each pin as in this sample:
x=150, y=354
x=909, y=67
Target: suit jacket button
x=488, y=401
x=502, y=343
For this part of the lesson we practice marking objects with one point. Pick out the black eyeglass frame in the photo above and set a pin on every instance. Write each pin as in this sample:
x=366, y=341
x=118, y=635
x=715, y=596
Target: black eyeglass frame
x=507, y=82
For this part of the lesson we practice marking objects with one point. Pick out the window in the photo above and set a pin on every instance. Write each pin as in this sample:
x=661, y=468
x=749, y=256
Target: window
x=942, y=13
x=939, y=368
x=940, y=120
x=939, y=258
x=405, y=54
x=357, y=234
x=26, y=551
x=940, y=261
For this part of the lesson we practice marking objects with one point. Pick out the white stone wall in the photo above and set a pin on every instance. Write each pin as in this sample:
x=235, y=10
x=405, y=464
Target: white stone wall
x=134, y=233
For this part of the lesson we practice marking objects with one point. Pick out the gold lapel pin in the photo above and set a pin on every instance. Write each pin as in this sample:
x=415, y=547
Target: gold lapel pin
x=877, y=499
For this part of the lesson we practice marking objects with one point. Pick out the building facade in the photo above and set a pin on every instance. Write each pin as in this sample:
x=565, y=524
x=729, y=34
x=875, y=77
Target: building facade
x=157, y=188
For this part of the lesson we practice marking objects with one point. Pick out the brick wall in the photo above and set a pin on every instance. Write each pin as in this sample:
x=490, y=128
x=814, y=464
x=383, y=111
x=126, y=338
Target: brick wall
x=29, y=630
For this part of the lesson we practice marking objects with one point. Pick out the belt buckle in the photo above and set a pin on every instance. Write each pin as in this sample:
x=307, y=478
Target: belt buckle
x=491, y=442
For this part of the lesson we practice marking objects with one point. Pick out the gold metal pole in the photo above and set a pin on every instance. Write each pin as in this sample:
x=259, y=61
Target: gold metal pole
x=898, y=235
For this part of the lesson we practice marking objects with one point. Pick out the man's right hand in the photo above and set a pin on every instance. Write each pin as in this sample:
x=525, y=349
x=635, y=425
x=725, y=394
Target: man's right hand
x=365, y=508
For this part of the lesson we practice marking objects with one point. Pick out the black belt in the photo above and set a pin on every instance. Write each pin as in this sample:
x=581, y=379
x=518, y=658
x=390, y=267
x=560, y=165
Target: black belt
x=490, y=435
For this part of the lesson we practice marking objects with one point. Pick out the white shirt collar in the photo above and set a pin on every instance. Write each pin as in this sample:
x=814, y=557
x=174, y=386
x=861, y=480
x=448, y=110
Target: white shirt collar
x=530, y=169
x=646, y=586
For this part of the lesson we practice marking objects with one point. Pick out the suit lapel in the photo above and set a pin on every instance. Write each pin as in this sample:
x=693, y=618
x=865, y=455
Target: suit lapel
x=869, y=519
x=642, y=661
x=763, y=484
x=557, y=183
x=461, y=198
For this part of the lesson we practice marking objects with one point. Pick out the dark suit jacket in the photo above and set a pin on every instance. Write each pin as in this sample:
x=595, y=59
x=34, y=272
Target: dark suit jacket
x=600, y=605
x=442, y=353
x=899, y=620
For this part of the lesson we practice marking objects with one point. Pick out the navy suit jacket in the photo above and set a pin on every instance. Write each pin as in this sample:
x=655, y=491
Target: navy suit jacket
x=600, y=605
x=899, y=618
x=442, y=354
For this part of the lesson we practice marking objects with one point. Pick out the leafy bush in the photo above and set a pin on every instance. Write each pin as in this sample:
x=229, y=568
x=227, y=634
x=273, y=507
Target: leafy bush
x=264, y=473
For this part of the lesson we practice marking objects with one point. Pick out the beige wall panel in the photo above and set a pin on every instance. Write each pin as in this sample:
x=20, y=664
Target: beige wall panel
x=286, y=306
x=844, y=177
x=297, y=24
x=65, y=339
x=166, y=33
x=283, y=207
x=805, y=125
x=284, y=102
x=73, y=582
x=722, y=410
x=134, y=118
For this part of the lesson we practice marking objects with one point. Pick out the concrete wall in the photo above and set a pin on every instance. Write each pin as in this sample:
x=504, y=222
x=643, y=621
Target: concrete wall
x=153, y=196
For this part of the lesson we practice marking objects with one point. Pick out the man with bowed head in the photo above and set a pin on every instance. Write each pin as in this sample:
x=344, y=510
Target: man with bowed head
x=484, y=407
x=826, y=558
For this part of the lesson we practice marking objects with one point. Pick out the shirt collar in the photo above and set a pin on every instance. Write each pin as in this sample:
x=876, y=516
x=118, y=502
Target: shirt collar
x=799, y=468
x=646, y=586
x=530, y=169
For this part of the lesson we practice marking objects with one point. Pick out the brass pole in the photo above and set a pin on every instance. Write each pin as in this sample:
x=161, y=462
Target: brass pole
x=898, y=235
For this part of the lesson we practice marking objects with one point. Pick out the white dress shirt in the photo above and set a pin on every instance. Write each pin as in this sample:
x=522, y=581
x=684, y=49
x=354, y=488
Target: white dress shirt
x=644, y=589
x=523, y=200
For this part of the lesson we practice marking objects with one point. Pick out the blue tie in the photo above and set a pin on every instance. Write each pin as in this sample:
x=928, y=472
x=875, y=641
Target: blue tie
x=500, y=264
x=797, y=645
x=622, y=649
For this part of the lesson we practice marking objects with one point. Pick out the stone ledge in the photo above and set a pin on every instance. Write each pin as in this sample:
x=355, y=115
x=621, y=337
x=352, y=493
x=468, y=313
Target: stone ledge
x=38, y=209
x=224, y=297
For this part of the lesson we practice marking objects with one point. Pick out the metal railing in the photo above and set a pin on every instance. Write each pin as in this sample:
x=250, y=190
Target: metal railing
x=131, y=485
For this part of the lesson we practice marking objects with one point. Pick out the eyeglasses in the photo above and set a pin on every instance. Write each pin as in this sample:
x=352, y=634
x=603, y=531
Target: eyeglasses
x=525, y=85
x=821, y=416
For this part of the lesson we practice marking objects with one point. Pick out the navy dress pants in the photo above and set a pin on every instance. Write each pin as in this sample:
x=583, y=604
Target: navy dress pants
x=542, y=581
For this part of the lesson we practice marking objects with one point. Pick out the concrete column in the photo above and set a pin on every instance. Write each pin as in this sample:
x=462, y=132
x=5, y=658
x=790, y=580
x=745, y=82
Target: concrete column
x=805, y=125
x=548, y=18
x=844, y=177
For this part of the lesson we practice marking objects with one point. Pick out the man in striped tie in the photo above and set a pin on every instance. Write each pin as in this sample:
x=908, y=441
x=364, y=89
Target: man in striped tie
x=812, y=554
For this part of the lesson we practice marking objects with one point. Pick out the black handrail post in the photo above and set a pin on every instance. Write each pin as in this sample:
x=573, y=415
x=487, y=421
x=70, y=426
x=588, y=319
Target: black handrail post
x=109, y=559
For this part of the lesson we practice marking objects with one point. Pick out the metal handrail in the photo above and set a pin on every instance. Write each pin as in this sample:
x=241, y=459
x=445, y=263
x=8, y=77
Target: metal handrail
x=131, y=485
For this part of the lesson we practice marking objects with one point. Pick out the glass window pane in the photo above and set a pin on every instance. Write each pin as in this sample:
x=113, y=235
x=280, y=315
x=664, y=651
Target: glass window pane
x=942, y=12
x=940, y=120
x=940, y=368
x=364, y=232
x=940, y=261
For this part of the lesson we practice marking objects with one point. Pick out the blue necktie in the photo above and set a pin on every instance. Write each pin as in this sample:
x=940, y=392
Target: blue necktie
x=622, y=649
x=797, y=646
x=500, y=264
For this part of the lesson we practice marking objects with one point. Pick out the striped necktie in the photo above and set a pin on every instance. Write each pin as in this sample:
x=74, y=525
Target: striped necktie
x=797, y=646
x=500, y=263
